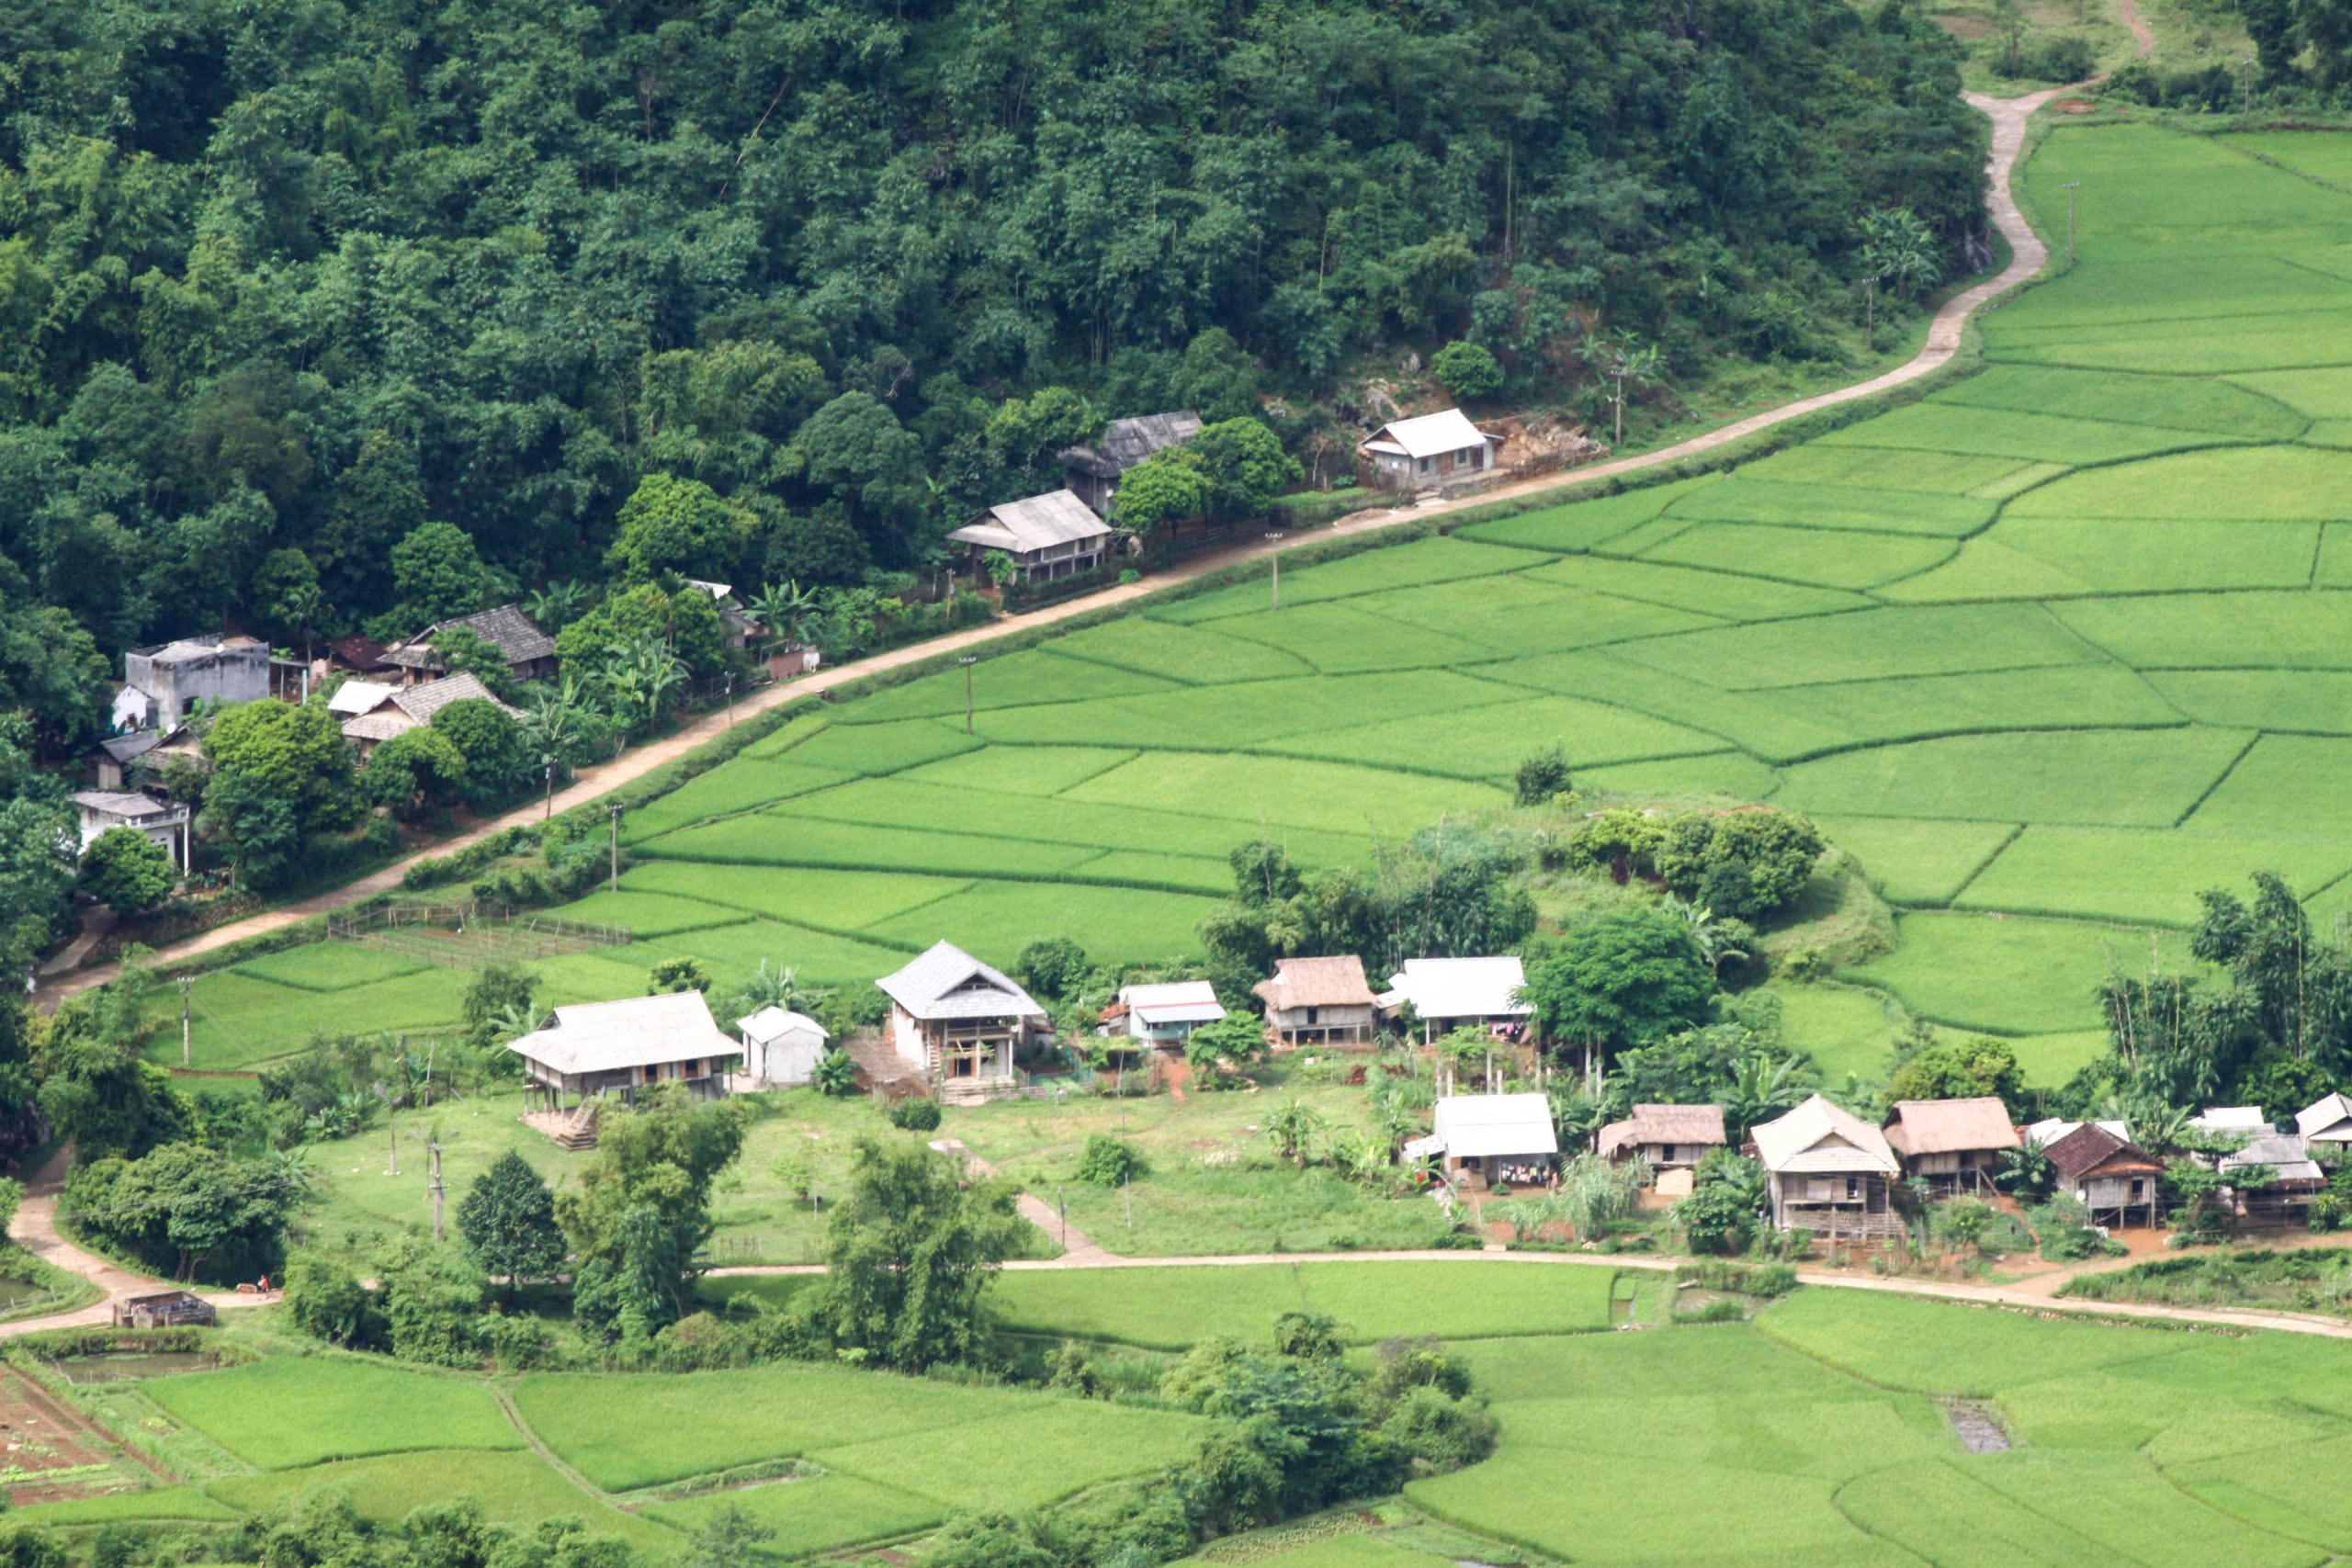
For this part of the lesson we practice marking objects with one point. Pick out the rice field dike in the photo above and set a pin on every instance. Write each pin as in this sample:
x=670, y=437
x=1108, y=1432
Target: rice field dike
x=1827, y=1428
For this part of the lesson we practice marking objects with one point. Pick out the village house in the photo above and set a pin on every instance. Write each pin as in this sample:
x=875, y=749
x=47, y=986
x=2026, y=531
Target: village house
x=2326, y=1126
x=163, y=683
x=2230, y=1120
x=165, y=822
x=1670, y=1139
x=1447, y=994
x=2291, y=1179
x=528, y=651
x=385, y=711
x=1094, y=469
x=1319, y=1002
x=115, y=759
x=1486, y=1141
x=1051, y=535
x=2106, y=1174
x=1162, y=1015
x=592, y=1049
x=355, y=655
x=958, y=1022
x=2049, y=1130
x=1830, y=1171
x=1955, y=1145
x=781, y=1047
x=1436, y=449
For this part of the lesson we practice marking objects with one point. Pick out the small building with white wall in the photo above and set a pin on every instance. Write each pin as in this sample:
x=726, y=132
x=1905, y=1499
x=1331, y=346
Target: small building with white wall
x=958, y=1022
x=1447, y=994
x=165, y=822
x=1164, y=1014
x=781, y=1047
x=1491, y=1140
x=175, y=676
x=1435, y=449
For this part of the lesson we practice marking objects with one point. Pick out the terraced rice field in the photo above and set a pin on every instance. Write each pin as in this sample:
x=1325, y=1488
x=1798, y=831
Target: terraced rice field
x=2051, y=649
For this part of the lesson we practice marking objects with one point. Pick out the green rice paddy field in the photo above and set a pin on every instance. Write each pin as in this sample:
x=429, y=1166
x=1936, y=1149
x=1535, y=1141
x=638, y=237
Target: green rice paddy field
x=2051, y=650
x=1814, y=1437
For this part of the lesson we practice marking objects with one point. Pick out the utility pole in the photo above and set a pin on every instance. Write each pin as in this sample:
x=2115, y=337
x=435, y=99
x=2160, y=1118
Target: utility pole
x=433, y=1149
x=2245, y=83
x=967, y=660
x=547, y=762
x=184, y=1059
x=2070, y=221
x=1275, y=537
x=731, y=702
x=612, y=812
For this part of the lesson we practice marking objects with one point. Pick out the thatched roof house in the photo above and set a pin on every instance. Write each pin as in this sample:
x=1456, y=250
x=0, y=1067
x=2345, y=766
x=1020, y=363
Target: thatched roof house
x=1319, y=1002
x=1954, y=1144
x=1830, y=1171
x=1666, y=1137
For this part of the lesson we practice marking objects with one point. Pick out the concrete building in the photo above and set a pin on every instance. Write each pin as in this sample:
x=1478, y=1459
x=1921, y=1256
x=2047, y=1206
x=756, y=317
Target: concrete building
x=1163, y=1014
x=781, y=1047
x=1491, y=1140
x=163, y=682
x=165, y=822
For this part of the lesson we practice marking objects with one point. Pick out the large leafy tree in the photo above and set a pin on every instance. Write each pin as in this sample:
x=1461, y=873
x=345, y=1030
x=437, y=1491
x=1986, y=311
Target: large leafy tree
x=678, y=526
x=1628, y=977
x=642, y=1210
x=910, y=1252
x=127, y=870
x=508, y=1220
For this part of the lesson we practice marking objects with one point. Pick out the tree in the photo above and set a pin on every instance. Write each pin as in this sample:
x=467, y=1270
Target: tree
x=1052, y=964
x=677, y=975
x=1620, y=358
x=1167, y=487
x=489, y=743
x=909, y=1253
x=1292, y=1128
x=686, y=624
x=1238, y=1037
x=436, y=575
x=415, y=773
x=1108, y=1161
x=327, y=1302
x=1898, y=250
x=496, y=992
x=1245, y=464
x=1961, y=1069
x=1467, y=370
x=1628, y=977
x=835, y=1074
x=127, y=871
x=729, y=1539
x=508, y=1220
x=1727, y=1195
x=461, y=650
x=298, y=755
x=641, y=1210
x=1541, y=776
x=198, y=1213
x=672, y=525
x=285, y=593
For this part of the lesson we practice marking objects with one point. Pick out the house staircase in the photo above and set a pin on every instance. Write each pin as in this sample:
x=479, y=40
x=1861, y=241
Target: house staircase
x=573, y=1129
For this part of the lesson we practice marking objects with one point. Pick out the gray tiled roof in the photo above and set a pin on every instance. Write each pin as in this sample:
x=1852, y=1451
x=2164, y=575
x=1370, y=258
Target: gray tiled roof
x=506, y=628
x=1126, y=442
x=947, y=982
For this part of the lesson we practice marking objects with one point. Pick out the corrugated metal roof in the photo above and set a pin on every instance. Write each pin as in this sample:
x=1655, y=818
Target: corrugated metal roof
x=127, y=804
x=1947, y=1126
x=947, y=982
x=2230, y=1119
x=1179, y=1001
x=1818, y=1136
x=1431, y=434
x=2328, y=1118
x=2283, y=1152
x=601, y=1037
x=1057, y=517
x=1485, y=1125
x=1463, y=987
x=1315, y=983
x=775, y=1022
x=355, y=698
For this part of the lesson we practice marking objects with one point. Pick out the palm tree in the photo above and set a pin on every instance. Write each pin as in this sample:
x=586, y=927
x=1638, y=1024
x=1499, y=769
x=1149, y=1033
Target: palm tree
x=1623, y=357
x=523, y=1018
x=779, y=988
x=1763, y=1088
x=1292, y=1128
x=304, y=608
x=558, y=605
x=1713, y=936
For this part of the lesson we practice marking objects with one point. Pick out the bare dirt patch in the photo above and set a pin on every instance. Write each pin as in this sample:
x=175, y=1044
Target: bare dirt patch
x=2075, y=106
x=1978, y=1432
x=1962, y=25
x=52, y=1454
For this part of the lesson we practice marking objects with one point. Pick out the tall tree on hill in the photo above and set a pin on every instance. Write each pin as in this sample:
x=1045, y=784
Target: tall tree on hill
x=508, y=1220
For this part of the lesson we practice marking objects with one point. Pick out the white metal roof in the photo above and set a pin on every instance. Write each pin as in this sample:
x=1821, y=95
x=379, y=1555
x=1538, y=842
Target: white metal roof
x=1057, y=517
x=127, y=804
x=1483, y=1124
x=2051, y=1128
x=355, y=698
x=2328, y=1119
x=775, y=1022
x=1179, y=1001
x=947, y=982
x=1463, y=987
x=1430, y=434
x=2230, y=1119
x=2283, y=1152
x=1818, y=1136
x=600, y=1037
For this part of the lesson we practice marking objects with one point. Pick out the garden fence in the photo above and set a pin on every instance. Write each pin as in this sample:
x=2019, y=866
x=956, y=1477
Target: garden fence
x=515, y=933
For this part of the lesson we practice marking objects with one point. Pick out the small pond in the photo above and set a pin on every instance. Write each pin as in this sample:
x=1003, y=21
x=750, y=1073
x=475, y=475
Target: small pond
x=1696, y=1303
x=129, y=1365
x=16, y=1292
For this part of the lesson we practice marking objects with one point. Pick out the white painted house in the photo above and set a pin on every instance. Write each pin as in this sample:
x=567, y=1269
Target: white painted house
x=781, y=1047
x=1164, y=1014
x=1447, y=994
x=1436, y=449
x=958, y=1022
x=165, y=822
x=1489, y=1140
x=2326, y=1126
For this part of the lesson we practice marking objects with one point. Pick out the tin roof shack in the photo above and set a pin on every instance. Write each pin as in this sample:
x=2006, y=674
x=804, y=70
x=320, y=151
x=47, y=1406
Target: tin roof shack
x=619, y=1047
x=1435, y=449
x=386, y=711
x=2107, y=1175
x=1497, y=1140
x=2273, y=1177
x=1050, y=535
x=959, y=1022
x=1831, y=1172
x=176, y=676
x=165, y=822
x=168, y=1309
x=1164, y=1015
x=528, y=651
x=1955, y=1145
x=1447, y=994
x=1095, y=470
x=781, y=1047
x=2325, y=1125
x=1319, y=1002
x=1670, y=1139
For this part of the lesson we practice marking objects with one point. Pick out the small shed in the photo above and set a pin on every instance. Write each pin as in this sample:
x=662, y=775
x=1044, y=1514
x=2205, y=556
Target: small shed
x=1319, y=1002
x=2106, y=1174
x=2326, y=1126
x=1447, y=994
x=168, y=1309
x=1167, y=1014
x=112, y=759
x=1489, y=1140
x=1830, y=1171
x=619, y=1047
x=1094, y=469
x=1050, y=535
x=165, y=822
x=1665, y=1137
x=781, y=1047
x=1413, y=454
x=959, y=1021
x=1955, y=1145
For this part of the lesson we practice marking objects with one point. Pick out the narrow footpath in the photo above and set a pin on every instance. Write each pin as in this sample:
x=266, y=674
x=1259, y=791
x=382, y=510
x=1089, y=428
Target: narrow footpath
x=2028, y=255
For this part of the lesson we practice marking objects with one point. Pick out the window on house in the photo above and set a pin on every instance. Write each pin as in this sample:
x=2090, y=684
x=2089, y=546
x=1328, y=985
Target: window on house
x=1666, y=1151
x=1311, y=1014
x=652, y=1073
x=1425, y=465
x=962, y=1066
x=2139, y=1190
x=1853, y=1187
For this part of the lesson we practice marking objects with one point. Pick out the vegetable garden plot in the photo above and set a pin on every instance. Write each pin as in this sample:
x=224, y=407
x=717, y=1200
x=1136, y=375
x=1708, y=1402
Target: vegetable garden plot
x=781, y=838
x=1020, y=770
x=819, y=1514
x=1339, y=639
x=2047, y=968
x=994, y=920
x=1835, y=560
x=1283, y=790
x=1867, y=645
x=1011, y=680
x=1917, y=861
x=1488, y=742
x=330, y=966
x=1720, y=594
x=2155, y=878
x=1515, y=616
x=1188, y=655
x=2106, y=777
x=845, y=900
x=2001, y=433
x=285, y=1412
x=1751, y=498
x=2240, y=630
x=2254, y=484
x=1581, y=524
x=2165, y=401
x=1886, y=467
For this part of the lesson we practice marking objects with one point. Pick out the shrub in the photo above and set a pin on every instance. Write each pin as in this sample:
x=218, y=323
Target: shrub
x=127, y=871
x=1109, y=1161
x=1768, y=1281
x=834, y=1072
x=1438, y=1433
x=1541, y=776
x=1467, y=370
x=916, y=1115
x=1052, y=964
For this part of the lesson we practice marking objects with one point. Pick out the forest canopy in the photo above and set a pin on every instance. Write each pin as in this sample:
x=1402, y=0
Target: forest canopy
x=310, y=279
